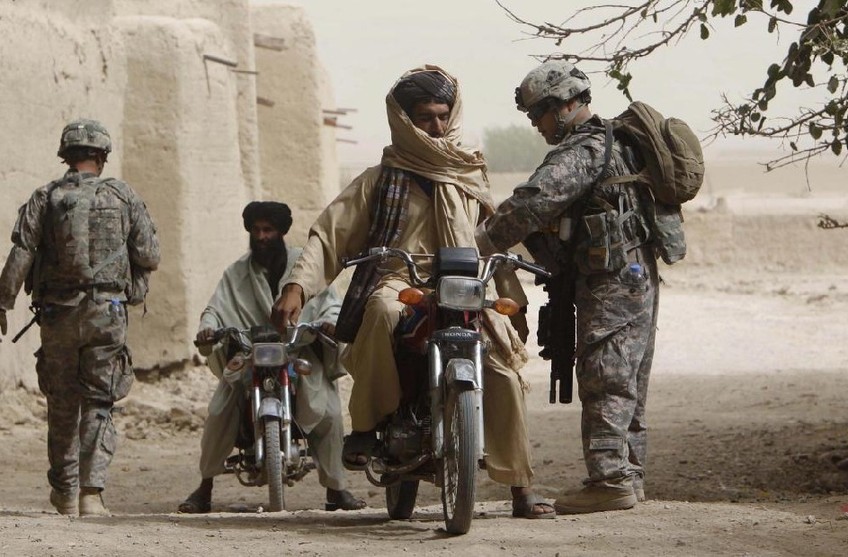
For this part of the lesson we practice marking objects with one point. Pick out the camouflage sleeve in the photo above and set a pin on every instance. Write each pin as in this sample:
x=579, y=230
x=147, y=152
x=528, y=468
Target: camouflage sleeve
x=536, y=204
x=26, y=237
x=142, y=242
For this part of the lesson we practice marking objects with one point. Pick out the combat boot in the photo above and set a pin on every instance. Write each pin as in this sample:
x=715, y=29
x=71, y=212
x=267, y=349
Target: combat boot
x=65, y=503
x=91, y=502
x=592, y=499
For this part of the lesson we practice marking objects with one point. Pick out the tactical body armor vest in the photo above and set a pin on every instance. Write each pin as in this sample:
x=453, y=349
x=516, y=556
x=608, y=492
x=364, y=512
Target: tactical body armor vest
x=84, y=244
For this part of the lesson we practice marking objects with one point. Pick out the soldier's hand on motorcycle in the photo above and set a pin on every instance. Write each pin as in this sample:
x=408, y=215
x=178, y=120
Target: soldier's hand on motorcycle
x=205, y=335
x=4, y=325
x=286, y=310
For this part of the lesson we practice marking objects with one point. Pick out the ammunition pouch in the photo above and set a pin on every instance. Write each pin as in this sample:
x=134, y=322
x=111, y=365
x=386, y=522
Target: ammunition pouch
x=669, y=241
x=607, y=234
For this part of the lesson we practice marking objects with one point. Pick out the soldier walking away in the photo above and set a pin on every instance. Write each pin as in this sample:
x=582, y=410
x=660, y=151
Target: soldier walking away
x=581, y=215
x=84, y=246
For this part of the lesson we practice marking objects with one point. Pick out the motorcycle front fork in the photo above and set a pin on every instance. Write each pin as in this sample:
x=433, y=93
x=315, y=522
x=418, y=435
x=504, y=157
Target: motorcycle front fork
x=285, y=416
x=437, y=393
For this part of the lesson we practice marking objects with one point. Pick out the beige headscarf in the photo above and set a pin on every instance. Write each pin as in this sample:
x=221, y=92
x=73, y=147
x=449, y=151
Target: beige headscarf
x=442, y=160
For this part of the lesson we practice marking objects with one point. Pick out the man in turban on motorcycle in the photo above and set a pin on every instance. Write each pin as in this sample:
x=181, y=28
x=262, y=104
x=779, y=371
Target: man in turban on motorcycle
x=427, y=192
x=243, y=299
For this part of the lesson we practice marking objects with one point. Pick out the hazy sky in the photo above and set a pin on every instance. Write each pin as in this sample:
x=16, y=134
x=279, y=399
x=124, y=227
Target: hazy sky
x=367, y=44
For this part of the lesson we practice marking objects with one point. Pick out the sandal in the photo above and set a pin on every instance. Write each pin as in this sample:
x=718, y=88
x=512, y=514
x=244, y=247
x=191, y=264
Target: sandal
x=196, y=503
x=358, y=447
x=523, y=505
x=342, y=500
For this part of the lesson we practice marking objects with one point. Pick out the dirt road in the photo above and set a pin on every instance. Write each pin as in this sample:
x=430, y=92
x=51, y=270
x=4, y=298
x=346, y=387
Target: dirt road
x=747, y=414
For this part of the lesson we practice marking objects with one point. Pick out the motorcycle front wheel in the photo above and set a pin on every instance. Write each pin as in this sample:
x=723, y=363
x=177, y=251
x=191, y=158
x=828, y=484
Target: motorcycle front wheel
x=274, y=465
x=459, y=465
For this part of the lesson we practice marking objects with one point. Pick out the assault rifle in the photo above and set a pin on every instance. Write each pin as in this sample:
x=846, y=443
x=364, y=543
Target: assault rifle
x=557, y=334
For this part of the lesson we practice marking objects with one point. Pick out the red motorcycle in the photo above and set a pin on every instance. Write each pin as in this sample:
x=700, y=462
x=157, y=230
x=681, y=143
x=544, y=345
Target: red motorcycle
x=436, y=434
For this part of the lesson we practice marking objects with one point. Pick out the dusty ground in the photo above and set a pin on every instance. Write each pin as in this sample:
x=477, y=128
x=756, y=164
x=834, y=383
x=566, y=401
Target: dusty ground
x=747, y=413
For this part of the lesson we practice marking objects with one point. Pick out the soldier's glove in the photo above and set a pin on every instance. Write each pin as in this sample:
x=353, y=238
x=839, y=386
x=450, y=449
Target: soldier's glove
x=4, y=325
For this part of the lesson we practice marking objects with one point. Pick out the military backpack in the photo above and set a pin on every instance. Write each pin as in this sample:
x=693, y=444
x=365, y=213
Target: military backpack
x=673, y=171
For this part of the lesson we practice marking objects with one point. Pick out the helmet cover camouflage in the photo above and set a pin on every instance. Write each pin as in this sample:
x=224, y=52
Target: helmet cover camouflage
x=85, y=133
x=557, y=78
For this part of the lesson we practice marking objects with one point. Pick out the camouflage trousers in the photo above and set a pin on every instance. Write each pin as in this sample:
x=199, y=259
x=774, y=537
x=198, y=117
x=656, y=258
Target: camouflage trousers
x=616, y=328
x=83, y=367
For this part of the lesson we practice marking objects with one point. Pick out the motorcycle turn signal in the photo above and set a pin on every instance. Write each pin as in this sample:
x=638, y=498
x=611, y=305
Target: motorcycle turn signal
x=505, y=306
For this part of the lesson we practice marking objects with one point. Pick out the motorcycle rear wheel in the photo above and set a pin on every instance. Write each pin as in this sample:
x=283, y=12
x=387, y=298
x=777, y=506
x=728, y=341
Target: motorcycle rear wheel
x=459, y=465
x=400, y=499
x=274, y=465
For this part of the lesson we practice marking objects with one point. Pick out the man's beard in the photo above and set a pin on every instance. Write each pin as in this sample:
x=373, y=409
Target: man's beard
x=271, y=254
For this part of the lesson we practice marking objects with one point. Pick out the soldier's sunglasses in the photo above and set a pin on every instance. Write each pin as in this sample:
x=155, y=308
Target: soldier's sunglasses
x=539, y=109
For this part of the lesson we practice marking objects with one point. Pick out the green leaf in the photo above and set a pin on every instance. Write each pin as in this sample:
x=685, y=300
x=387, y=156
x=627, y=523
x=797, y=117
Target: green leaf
x=832, y=84
x=755, y=116
x=773, y=70
x=836, y=147
x=793, y=146
x=772, y=24
x=705, y=32
x=808, y=79
x=815, y=131
x=740, y=20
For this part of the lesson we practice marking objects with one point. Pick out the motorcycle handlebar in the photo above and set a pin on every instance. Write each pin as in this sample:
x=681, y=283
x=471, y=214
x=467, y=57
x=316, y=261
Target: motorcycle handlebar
x=295, y=335
x=491, y=265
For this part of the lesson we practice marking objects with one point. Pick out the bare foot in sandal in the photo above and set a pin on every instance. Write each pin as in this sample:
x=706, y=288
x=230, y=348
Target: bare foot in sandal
x=357, y=448
x=526, y=504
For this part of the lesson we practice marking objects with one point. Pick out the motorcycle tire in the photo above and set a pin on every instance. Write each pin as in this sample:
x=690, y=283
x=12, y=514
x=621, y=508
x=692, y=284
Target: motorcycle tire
x=459, y=464
x=274, y=465
x=400, y=499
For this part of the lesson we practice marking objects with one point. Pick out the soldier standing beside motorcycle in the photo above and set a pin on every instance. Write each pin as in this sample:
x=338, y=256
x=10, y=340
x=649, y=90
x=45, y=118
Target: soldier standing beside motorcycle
x=610, y=267
x=242, y=299
x=85, y=247
x=426, y=193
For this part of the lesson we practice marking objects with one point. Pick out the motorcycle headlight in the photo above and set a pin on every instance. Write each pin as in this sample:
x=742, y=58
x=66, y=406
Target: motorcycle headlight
x=461, y=293
x=268, y=354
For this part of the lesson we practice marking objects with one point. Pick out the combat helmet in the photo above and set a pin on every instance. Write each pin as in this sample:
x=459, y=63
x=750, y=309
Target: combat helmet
x=85, y=133
x=556, y=78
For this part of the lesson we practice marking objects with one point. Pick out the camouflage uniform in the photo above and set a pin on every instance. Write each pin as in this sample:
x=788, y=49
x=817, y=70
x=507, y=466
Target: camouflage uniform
x=96, y=244
x=616, y=313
